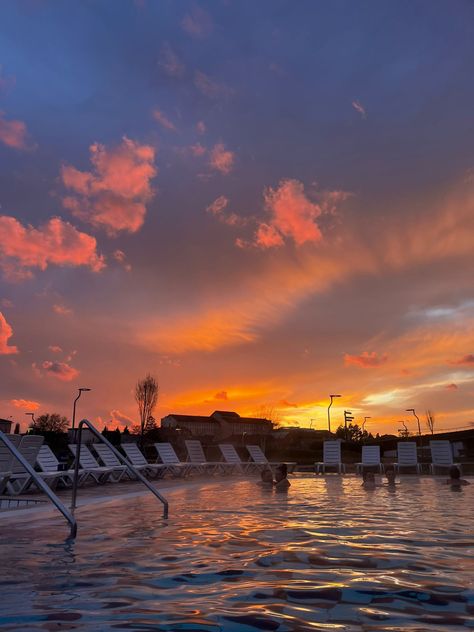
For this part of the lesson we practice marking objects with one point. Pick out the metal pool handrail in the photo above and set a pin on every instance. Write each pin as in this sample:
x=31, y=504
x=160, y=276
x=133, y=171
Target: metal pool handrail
x=41, y=484
x=121, y=458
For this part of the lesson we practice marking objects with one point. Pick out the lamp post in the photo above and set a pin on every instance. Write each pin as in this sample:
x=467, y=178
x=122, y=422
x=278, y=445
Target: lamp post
x=365, y=421
x=81, y=390
x=412, y=410
x=329, y=410
x=32, y=415
x=311, y=423
x=405, y=431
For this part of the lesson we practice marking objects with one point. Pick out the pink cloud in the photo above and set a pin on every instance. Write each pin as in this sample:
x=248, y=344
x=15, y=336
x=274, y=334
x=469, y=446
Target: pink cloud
x=59, y=370
x=466, y=359
x=451, y=387
x=293, y=215
x=114, y=194
x=6, y=332
x=365, y=360
x=197, y=23
x=197, y=149
x=208, y=87
x=5, y=82
x=62, y=310
x=163, y=120
x=221, y=159
x=170, y=62
x=55, y=348
x=25, y=404
x=217, y=209
x=120, y=418
x=13, y=133
x=201, y=127
x=55, y=243
x=121, y=257
x=359, y=108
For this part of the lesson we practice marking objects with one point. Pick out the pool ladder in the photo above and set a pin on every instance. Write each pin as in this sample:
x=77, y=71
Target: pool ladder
x=69, y=515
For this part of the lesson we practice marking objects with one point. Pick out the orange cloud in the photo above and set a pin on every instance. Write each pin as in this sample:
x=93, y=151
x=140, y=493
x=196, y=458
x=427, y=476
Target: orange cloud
x=197, y=23
x=293, y=215
x=208, y=87
x=287, y=404
x=62, y=310
x=120, y=418
x=59, y=370
x=6, y=332
x=466, y=359
x=359, y=108
x=55, y=348
x=451, y=387
x=163, y=120
x=13, y=133
x=114, y=195
x=221, y=395
x=26, y=404
x=55, y=243
x=221, y=159
x=170, y=62
x=365, y=360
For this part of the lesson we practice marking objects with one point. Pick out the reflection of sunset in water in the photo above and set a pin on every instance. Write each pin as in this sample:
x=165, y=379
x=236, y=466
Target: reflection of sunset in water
x=234, y=556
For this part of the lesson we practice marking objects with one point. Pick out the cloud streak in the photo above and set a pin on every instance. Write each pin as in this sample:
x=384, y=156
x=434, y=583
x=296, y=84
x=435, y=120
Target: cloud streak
x=365, y=360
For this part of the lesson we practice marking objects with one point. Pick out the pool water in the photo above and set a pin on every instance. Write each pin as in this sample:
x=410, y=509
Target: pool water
x=327, y=555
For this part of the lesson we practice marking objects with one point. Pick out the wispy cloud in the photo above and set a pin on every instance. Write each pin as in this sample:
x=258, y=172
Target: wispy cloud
x=218, y=209
x=14, y=133
x=118, y=417
x=366, y=360
x=210, y=88
x=163, y=120
x=59, y=370
x=358, y=107
x=114, y=194
x=221, y=159
x=62, y=310
x=467, y=359
x=55, y=243
x=201, y=127
x=197, y=23
x=25, y=404
x=6, y=332
x=55, y=348
x=170, y=62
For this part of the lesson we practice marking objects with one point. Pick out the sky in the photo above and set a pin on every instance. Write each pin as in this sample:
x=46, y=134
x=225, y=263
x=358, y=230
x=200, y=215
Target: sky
x=259, y=203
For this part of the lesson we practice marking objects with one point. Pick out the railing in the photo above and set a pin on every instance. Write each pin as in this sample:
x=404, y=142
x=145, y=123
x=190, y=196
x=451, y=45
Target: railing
x=119, y=456
x=41, y=484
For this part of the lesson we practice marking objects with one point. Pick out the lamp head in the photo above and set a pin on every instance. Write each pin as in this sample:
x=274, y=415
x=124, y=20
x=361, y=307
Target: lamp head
x=85, y=389
x=334, y=395
x=410, y=410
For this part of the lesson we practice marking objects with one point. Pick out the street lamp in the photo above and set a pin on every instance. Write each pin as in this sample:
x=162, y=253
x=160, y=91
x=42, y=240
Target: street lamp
x=412, y=410
x=329, y=411
x=32, y=415
x=74, y=406
x=365, y=421
x=405, y=431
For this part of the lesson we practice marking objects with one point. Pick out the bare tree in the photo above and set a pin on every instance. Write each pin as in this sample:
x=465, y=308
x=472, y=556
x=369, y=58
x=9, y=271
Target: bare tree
x=430, y=421
x=270, y=412
x=146, y=396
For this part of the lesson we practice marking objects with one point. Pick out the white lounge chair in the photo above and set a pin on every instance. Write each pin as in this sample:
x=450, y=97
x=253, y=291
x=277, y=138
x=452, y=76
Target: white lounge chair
x=49, y=464
x=169, y=458
x=21, y=480
x=441, y=455
x=258, y=457
x=197, y=457
x=331, y=457
x=370, y=458
x=91, y=467
x=137, y=459
x=233, y=459
x=109, y=459
x=6, y=463
x=407, y=456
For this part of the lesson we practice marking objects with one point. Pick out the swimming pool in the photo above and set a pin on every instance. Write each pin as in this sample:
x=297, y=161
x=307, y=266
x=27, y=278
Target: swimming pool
x=327, y=555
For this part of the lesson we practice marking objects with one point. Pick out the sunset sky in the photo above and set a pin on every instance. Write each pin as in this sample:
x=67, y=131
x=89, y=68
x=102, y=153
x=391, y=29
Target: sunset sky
x=260, y=203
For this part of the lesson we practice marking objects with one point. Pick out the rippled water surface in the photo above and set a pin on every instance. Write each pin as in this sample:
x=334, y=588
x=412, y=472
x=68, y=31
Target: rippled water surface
x=327, y=555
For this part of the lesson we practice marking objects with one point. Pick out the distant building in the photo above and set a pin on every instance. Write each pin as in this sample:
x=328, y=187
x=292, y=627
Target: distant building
x=218, y=425
x=6, y=425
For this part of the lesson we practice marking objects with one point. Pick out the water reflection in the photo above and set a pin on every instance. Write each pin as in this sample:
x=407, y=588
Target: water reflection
x=234, y=556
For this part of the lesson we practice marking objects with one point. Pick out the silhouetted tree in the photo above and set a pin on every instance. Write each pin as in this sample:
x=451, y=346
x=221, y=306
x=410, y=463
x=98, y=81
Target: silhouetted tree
x=126, y=431
x=353, y=433
x=270, y=412
x=146, y=396
x=50, y=423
